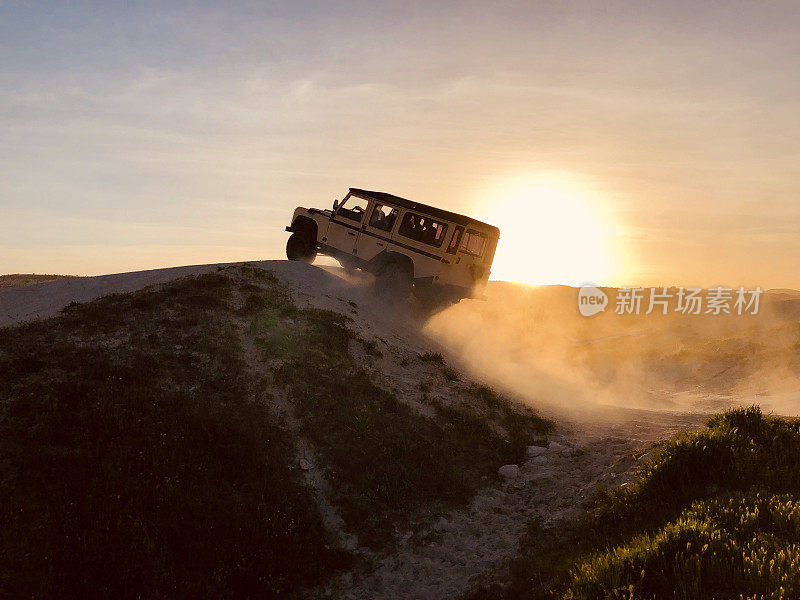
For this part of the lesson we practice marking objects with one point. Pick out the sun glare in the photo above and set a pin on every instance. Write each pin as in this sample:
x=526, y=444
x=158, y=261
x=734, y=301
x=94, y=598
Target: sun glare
x=551, y=232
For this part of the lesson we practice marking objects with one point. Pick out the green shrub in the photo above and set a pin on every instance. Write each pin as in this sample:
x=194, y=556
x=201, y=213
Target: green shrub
x=729, y=547
x=738, y=450
x=711, y=514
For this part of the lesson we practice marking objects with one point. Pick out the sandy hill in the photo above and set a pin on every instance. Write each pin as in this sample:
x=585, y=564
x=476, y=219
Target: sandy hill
x=247, y=431
x=269, y=429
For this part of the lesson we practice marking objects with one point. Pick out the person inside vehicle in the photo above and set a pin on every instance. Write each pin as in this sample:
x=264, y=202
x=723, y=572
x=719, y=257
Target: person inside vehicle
x=378, y=218
x=391, y=219
x=381, y=219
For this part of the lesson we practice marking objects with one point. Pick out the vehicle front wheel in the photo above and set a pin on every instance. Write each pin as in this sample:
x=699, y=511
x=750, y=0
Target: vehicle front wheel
x=393, y=280
x=300, y=247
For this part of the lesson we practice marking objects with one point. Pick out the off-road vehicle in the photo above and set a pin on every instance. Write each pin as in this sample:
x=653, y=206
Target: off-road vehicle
x=440, y=255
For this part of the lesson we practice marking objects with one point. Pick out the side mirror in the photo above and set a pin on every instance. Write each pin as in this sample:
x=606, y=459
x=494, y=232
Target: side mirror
x=335, y=205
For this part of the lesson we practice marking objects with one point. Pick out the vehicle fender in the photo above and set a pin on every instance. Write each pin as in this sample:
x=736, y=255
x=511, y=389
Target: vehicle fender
x=304, y=224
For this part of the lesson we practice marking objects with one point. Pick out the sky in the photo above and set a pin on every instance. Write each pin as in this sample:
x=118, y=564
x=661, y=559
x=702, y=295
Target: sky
x=628, y=143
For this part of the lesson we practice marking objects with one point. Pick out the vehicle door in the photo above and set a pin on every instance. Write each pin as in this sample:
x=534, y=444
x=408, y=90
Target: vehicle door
x=455, y=266
x=345, y=224
x=471, y=255
x=376, y=231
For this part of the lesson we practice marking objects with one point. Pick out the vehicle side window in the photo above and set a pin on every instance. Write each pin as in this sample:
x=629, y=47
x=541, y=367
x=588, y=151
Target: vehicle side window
x=383, y=217
x=474, y=242
x=423, y=229
x=452, y=247
x=353, y=209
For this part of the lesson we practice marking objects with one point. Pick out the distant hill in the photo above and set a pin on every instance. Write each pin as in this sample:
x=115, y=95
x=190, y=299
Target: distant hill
x=22, y=279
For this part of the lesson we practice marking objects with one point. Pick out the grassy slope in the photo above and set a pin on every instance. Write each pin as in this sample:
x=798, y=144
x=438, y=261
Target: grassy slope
x=385, y=460
x=138, y=457
x=712, y=514
x=135, y=461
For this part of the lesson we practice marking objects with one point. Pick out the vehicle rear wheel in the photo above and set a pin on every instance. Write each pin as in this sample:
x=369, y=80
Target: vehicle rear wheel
x=393, y=280
x=300, y=247
x=434, y=298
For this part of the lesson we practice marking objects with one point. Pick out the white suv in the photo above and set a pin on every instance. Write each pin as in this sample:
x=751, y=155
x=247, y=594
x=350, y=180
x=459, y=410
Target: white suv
x=407, y=245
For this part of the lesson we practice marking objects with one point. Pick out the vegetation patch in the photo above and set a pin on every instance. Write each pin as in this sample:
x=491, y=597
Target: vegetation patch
x=711, y=514
x=727, y=547
x=434, y=358
x=450, y=374
x=136, y=461
x=521, y=423
x=385, y=460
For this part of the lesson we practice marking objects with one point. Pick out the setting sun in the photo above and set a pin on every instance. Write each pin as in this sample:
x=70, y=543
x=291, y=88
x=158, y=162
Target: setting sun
x=553, y=231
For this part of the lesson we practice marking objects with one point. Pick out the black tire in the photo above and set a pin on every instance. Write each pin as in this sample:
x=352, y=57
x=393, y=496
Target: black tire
x=300, y=247
x=393, y=280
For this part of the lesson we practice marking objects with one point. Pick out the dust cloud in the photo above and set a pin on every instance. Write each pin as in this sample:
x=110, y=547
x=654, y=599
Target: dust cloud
x=532, y=342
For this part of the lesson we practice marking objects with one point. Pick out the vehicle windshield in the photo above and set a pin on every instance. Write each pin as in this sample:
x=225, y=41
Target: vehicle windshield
x=352, y=208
